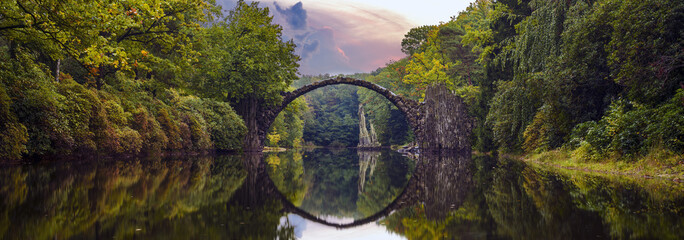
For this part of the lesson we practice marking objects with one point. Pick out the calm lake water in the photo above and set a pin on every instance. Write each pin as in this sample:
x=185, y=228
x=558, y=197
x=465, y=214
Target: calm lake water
x=330, y=194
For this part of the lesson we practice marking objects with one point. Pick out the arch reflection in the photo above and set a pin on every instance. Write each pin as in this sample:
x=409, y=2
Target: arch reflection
x=439, y=181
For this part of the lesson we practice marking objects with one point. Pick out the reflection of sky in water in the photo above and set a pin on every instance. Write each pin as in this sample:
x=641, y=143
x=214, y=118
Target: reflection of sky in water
x=342, y=185
x=305, y=229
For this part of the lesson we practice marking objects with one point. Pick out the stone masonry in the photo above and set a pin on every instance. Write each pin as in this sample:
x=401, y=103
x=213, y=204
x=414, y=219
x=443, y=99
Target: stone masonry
x=441, y=123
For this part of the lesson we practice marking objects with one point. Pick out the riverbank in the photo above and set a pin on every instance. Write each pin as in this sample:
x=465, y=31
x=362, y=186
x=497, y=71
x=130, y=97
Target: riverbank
x=655, y=165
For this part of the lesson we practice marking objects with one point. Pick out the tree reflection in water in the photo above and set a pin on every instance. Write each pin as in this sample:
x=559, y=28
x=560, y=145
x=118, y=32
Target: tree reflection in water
x=190, y=198
x=232, y=197
x=508, y=199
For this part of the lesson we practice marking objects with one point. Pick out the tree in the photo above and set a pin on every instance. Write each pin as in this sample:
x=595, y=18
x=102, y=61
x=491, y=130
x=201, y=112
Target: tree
x=645, y=50
x=104, y=36
x=244, y=57
x=14, y=136
x=494, y=44
x=333, y=119
x=288, y=125
x=245, y=62
x=444, y=59
x=415, y=38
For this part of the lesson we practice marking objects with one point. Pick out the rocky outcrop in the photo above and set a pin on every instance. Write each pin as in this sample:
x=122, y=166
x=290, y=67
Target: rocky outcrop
x=373, y=135
x=366, y=139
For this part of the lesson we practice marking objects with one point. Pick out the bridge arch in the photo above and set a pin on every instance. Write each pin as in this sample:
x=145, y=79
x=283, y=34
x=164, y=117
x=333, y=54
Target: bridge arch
x=440, y=123
x=410, y=108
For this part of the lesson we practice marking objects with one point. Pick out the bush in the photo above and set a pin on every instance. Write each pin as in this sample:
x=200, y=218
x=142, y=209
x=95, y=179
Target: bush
x=669, y=129
x=225, y=127
x=115, y=113
x=84, y=116
x=153, y=138
x=547, y=130
x=131, y=141
x=40, y=116
x=170, y=129
x=13, y=137
x=198, y=131
x=631, y=130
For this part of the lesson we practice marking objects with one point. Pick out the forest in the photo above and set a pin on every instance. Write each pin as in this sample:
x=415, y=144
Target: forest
x=594, y=79
x=134, y=76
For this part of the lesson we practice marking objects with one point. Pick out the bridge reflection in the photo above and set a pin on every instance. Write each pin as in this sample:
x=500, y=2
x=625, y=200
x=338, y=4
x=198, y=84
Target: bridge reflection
x=441, y=182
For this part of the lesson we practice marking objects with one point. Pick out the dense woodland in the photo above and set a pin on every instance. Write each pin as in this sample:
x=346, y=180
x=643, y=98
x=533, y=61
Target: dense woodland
x=597, y=78
x=134, y=76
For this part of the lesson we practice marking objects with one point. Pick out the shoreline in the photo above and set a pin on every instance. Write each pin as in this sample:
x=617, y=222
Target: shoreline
x=640, y=168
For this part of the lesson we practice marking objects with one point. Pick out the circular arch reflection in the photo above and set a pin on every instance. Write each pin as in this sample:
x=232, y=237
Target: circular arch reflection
x=440, y=182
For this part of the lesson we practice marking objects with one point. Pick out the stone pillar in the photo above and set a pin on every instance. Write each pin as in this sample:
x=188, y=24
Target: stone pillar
x=445, y=123
x=364, y=138
x=373, y=135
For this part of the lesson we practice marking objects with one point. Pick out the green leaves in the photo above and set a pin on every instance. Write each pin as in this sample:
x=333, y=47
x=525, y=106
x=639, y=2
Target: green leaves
x=415, y=38
x=444, y=56
x=645, y=48
x=123, y=35
x=245, y=56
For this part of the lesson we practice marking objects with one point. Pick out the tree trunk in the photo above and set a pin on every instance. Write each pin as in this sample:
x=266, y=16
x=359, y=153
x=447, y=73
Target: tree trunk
x=248, y=109
x=57, y=70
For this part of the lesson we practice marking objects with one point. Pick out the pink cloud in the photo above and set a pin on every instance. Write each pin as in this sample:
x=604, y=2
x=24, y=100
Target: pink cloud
x=362, y=39
x=339, y=37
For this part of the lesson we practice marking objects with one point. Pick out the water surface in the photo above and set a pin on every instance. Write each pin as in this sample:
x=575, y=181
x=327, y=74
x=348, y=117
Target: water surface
x=333, y=194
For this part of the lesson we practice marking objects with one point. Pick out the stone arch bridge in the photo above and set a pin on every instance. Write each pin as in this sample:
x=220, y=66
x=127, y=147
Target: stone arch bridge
x=439, y=123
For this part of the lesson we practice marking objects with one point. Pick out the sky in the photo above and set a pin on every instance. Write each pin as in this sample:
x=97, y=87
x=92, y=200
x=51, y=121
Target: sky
x=305, y=229
x=336, y=36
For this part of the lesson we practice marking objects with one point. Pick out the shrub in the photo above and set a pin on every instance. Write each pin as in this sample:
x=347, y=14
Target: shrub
x=40, y=116
x=170, y=127
x=629, y=129
x=547, y=130
x=80, y=108
x=153, y=137
x=13, y=137
x=198, y=131
x=669, y=129
x=131, y=141
x=115, y=113
x=225, y=127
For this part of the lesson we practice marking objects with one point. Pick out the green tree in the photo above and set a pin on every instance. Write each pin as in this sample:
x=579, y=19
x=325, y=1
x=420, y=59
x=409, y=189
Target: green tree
x=645, y=49
x=137, y=36
x=494, y=44
x=245, y=62
x=289, y=125
x=244, y=57
x=332, y=117
x=14, y=137
x=415, y=38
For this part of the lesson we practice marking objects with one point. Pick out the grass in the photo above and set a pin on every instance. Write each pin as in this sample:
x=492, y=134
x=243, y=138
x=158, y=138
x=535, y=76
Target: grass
x=658, y=163
x=274, y=149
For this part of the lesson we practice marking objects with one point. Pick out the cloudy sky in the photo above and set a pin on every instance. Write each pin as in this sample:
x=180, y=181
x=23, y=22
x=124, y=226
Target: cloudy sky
x=336, y=36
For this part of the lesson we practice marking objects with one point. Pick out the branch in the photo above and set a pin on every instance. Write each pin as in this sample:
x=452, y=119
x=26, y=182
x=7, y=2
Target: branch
x=144, y=33
x=148, y=30
x=26, y=11
x=14, y=26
